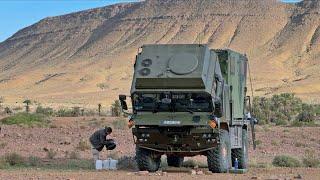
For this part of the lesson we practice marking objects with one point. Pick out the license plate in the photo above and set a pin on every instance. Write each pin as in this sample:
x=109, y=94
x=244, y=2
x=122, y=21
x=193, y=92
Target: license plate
x=168, y=122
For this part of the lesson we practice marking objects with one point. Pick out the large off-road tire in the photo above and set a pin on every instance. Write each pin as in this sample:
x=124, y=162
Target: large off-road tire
x=219, y=158
x=175, y=161
x=147, y=160
x=241, y=153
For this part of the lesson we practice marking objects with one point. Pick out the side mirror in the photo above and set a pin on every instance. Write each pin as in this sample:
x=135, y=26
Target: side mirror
x=123, y=102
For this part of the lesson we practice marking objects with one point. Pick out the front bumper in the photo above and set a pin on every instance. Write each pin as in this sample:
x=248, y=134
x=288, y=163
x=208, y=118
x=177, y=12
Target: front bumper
x=185, y=139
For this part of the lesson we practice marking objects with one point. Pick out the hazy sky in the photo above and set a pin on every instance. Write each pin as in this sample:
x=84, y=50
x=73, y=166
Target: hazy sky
x=17, y=14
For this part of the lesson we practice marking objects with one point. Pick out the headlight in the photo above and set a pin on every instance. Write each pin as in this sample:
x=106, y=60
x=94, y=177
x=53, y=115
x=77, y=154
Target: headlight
x=145, y=135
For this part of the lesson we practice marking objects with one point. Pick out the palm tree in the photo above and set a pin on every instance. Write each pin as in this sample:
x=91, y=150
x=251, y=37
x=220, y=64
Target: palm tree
x=99, y=109
x=27, y=102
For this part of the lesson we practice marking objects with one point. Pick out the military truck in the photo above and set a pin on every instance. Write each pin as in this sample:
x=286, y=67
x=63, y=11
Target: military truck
x=189, y=100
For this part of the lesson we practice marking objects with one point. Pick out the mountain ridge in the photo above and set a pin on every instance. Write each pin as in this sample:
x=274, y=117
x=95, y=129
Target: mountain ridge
x=93, y=50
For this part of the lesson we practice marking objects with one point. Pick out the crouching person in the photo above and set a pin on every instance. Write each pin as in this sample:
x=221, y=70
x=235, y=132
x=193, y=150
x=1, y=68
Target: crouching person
x=99, y=139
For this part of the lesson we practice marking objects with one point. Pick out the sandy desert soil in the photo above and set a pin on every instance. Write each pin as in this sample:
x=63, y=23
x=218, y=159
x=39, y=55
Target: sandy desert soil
x=267, y=174
x=64, y=134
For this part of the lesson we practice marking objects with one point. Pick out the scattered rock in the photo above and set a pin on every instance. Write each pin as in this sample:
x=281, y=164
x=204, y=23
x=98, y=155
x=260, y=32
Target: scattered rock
x=200, y=172
x=208, y=173
x=297, y=176
x=65, y=143
x=159, y=173
x=255, y=177
x=143, y=173
x=193, y=172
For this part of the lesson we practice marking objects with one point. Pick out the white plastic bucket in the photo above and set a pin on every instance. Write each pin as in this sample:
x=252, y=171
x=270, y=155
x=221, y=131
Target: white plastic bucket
x=110, y=164
x=106, y=164
x=98, y=165
x=113, y=164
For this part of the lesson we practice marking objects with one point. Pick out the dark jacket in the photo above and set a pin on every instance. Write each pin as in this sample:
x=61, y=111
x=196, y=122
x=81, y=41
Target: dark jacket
x=98, y=139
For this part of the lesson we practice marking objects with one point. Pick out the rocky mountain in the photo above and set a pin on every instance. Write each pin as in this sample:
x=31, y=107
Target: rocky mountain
x=86, y=57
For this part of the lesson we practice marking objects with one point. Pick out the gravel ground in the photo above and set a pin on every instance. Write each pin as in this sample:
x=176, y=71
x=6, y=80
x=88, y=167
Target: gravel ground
x=64, y=134
x=270, y=174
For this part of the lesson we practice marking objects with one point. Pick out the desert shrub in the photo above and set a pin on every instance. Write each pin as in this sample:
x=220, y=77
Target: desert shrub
x=3, y=163
x=64, y=113
x=83, y=145
x=89, y=112
x=33, y=161
x=116, y=109
x=283, y=108
x=74, y=155
x=258, y=142
x=299, y=144
x=51, y=154
x=308, y=114
x=102, y=86
x=261, y=109
x=280, y=122
x=317, y=109
x=311, y=160
x=274, y=143
x=127, y=163
x=286, y=130
x=285, y=161
x=297, y=123
x=77, y=164
x=14, y=159
x=46, y=111
x=254, y=164
x=1, y=100
x=74, y=112
x=3, y=145
x=26, y=119
x=119, y=123
x=53, y=126
x=7, y=110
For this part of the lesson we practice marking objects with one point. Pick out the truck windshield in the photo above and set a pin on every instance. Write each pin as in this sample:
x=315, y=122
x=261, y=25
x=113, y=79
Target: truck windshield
x=172, y=102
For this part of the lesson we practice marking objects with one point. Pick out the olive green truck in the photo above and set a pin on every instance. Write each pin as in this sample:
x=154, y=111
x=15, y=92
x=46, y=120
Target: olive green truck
x=189, y=100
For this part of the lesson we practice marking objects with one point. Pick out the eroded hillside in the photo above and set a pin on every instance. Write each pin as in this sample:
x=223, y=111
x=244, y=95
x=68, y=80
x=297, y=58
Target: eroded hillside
x=87, y=57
